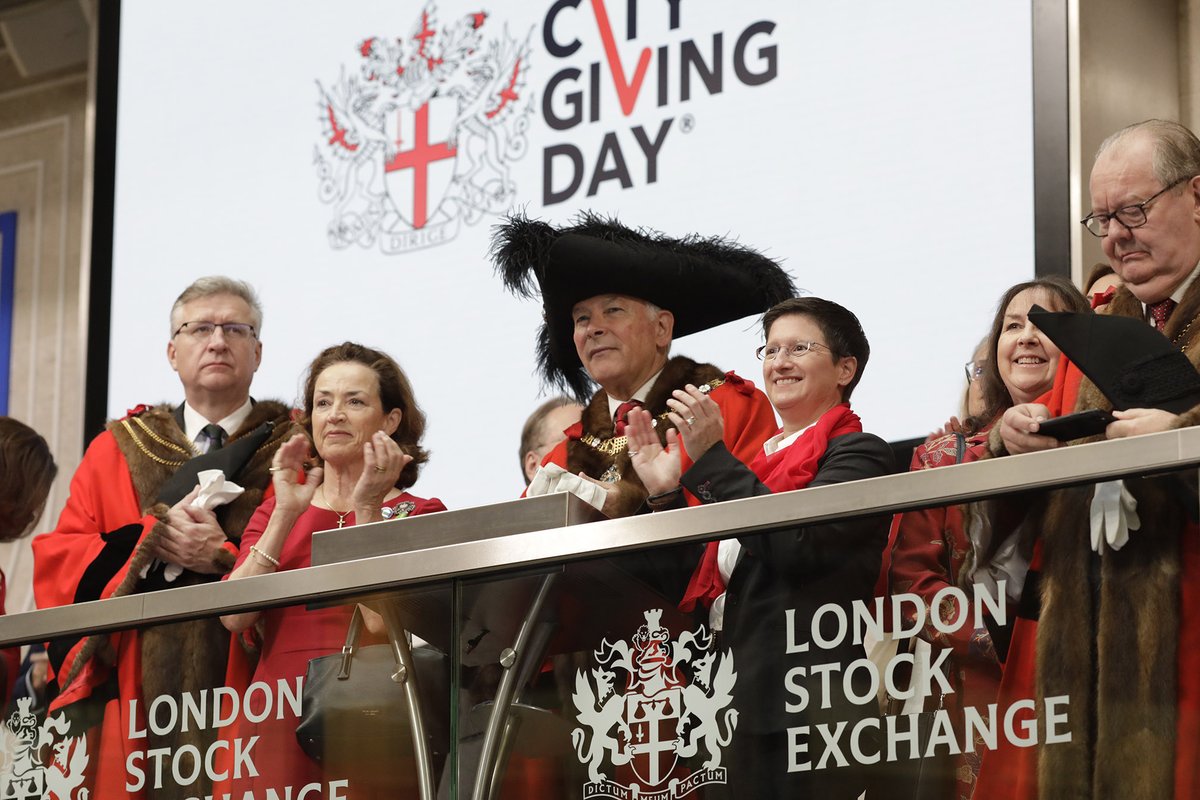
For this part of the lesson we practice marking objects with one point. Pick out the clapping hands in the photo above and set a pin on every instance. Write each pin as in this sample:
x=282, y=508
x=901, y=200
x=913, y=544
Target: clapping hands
x=291, y=493
x=659, y=467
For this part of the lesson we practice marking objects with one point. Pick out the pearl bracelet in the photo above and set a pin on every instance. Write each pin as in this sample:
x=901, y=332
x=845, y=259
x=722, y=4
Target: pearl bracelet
x=270, y=558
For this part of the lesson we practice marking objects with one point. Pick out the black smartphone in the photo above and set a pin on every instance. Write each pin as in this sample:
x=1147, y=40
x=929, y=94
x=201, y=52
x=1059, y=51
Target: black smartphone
x=1076, y=426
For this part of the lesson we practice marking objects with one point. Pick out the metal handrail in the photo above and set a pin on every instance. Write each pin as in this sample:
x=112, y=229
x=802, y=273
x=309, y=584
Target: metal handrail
x=1155, y=453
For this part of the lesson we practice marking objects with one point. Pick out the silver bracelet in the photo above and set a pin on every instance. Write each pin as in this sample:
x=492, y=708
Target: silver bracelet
x=272, y=559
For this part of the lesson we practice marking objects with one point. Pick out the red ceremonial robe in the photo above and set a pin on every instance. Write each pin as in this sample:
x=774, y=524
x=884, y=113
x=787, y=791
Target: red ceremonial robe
x=593, y=448
x=103, y=539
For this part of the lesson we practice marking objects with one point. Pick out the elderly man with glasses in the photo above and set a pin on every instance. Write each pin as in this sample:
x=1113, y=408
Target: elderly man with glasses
x=1112, y=622
x=613, y=299
x=130, y=525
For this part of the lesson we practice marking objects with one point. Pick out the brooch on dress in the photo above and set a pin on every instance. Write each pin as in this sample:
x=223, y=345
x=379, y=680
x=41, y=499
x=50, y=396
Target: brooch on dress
x=400, y=510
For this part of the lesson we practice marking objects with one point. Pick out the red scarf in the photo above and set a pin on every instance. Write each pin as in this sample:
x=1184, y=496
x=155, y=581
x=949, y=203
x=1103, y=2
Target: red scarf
x=792, y=467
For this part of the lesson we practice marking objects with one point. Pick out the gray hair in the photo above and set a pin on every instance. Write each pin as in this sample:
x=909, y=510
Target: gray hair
x=1176, y=149
x=213, y=285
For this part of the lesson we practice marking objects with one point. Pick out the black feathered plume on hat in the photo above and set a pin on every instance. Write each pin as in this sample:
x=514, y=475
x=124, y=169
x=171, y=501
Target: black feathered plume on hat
x=704, y=282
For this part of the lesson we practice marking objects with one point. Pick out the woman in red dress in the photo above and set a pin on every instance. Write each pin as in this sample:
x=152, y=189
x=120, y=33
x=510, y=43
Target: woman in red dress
x=365, y=424
x=935, y=548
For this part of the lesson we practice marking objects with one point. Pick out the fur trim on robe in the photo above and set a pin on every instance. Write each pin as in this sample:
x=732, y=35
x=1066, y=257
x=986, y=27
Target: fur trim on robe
x=597, y=421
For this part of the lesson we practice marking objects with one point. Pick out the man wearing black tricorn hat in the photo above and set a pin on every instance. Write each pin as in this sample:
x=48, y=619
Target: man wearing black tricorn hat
x=1110, y=619
x=613, y=299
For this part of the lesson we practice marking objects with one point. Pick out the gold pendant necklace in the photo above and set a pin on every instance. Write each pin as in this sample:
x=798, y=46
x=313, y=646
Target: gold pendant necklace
x=341, y=517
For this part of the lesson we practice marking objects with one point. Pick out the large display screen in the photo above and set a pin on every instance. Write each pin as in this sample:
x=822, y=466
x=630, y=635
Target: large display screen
x=351, y=159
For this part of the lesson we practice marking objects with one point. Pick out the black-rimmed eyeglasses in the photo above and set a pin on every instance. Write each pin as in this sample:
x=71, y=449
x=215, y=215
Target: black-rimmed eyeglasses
x=1131, y=217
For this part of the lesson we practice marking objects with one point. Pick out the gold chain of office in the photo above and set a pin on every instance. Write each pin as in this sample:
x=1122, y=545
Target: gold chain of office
x=617, y=444
x=188, y=452
x=146, y=451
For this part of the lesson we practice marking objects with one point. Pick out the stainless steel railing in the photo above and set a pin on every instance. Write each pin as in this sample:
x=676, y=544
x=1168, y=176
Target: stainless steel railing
x=470, y=547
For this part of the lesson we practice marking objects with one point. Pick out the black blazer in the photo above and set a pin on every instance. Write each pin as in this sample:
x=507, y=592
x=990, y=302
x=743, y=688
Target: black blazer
x=801, y=569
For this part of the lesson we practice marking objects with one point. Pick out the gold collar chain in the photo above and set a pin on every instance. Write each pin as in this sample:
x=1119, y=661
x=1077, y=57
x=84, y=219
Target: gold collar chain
x=188, y=453
x=1183, y=347
x=617, y=444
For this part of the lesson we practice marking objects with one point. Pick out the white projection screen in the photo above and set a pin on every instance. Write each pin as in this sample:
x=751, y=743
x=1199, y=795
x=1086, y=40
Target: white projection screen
x=349, y=160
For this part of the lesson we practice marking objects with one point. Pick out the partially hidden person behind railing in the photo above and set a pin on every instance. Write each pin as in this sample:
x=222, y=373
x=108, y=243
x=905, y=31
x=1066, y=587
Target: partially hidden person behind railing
x=937, y=548
x=361, y=416
x=814, y=356
x=27, y=469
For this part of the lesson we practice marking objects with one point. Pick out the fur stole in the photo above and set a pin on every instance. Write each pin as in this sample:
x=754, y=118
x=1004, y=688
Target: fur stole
x=1108, y=631
x=597, y=421
x=161, y=440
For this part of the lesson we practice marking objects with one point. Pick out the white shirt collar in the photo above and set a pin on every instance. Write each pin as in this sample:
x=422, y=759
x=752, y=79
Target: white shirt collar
x=1179, y=292
x=194, y=422
x=640, y=395
x=779, y=441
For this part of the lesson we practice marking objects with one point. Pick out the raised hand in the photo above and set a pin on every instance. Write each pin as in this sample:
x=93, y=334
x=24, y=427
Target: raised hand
x=383, y=461
x=292, y=495
x=698, y=418
x=658, y=467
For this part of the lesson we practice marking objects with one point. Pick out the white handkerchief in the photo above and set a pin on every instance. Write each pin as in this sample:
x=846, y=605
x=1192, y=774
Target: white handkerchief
x=1113, y=515
x=544, y=480
x=553, y=479
x=214, y=491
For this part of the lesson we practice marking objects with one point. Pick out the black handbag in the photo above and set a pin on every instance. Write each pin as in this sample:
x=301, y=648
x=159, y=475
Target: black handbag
x=354, y=709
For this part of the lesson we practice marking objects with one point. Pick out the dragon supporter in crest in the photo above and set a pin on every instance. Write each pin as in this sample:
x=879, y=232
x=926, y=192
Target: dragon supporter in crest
x=421, y=138
x=661, y=717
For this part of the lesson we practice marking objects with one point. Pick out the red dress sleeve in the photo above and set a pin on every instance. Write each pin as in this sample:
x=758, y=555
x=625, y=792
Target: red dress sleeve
x=254, y=529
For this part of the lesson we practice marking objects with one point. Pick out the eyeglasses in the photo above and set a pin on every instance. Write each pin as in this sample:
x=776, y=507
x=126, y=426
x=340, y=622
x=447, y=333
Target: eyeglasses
x=1131, y=217
x=203, y=330
x=974, y=370
x=768, y=352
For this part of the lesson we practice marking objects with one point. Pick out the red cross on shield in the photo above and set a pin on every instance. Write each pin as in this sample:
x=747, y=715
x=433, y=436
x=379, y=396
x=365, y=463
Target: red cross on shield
x=418, y=176
x=652, y=721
